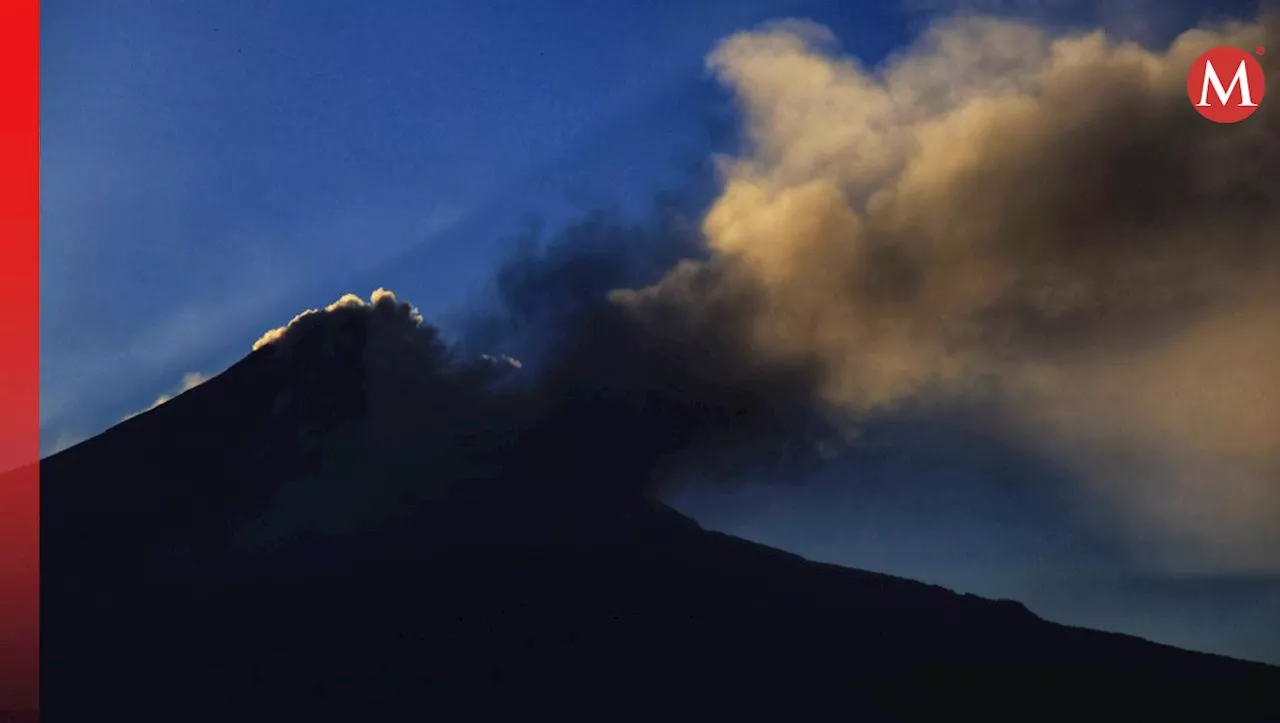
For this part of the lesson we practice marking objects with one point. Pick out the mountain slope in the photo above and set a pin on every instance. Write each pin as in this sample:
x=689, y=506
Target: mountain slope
x=235, y=555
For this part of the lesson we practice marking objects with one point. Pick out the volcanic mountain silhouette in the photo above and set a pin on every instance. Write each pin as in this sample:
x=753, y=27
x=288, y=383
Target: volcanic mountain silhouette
x=272, y=545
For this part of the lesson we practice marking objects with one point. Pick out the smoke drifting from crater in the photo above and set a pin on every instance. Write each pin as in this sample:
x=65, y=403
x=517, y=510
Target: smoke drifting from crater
x=993, y=219
x=382, y=304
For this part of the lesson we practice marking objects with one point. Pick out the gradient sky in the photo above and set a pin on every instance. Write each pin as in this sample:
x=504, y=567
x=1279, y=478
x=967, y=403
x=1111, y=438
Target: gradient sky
x=210, y=169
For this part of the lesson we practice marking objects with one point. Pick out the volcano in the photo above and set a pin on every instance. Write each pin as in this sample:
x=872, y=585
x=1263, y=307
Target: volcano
x=287, y=541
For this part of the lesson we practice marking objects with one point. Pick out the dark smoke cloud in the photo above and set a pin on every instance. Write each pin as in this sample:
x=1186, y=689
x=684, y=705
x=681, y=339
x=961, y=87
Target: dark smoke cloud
x=637, y=397
x=579, y=400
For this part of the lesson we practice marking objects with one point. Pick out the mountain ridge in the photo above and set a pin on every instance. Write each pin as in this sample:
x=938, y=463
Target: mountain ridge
x=496, y=592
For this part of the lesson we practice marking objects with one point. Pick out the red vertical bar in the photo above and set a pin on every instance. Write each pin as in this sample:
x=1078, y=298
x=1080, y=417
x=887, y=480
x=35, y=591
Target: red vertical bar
x=19, y=359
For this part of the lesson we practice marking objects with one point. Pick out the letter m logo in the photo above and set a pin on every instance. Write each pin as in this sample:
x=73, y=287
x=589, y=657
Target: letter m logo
x=1230, y=101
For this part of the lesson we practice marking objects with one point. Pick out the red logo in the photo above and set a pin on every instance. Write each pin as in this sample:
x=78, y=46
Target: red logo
x=1225, y=84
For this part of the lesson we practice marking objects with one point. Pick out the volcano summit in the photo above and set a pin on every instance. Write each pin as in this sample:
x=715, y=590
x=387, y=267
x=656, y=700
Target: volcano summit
x=351, y=523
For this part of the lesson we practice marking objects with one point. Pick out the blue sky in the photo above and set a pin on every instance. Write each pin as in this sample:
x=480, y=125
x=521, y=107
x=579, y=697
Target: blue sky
x=210, y=169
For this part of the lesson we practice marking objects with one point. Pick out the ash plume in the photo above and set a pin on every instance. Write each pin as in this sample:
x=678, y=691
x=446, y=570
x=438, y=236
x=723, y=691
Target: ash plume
x=1001, y=214
x=997, y=218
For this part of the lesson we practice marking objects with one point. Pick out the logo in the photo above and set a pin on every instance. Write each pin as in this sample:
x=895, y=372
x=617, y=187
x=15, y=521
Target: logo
x=1226, y=85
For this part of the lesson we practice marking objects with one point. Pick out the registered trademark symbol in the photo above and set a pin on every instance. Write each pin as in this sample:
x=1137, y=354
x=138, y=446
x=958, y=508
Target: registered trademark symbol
x=1261, y=50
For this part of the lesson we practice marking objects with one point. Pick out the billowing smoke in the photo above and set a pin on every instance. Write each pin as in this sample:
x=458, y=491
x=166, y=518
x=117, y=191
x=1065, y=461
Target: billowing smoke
x=993, y=219
x=997, y=214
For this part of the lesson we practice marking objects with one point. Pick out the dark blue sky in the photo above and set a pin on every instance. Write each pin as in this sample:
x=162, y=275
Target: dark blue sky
x=212, y=168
